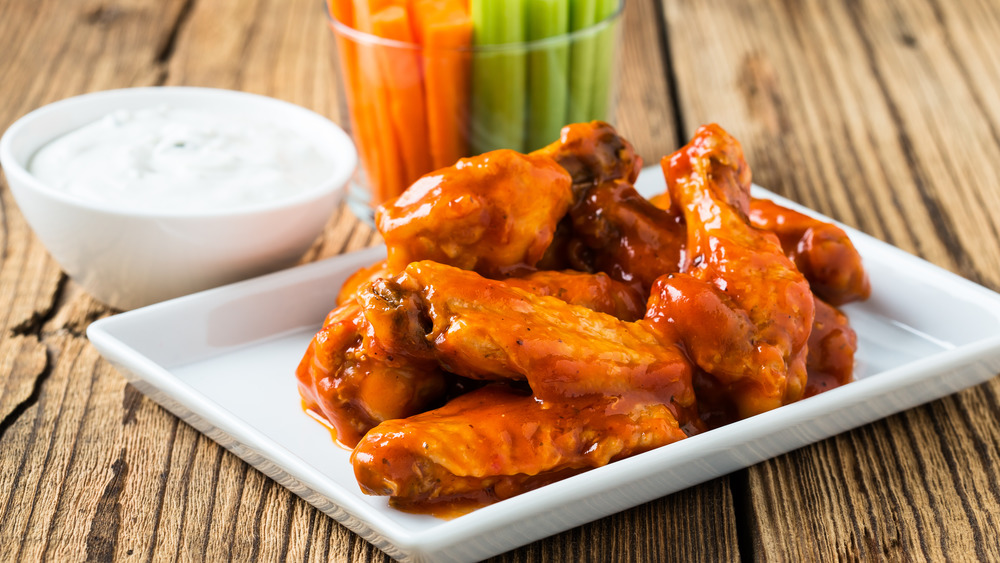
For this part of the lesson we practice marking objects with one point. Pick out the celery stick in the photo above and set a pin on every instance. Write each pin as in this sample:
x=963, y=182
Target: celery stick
x=498, y=77
x=548, y=71
x=582, y=14
x=605, y=51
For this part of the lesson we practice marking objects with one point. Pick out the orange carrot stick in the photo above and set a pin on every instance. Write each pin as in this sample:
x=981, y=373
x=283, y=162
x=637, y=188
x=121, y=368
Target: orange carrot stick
x=361, y=117
x=445, y=29
x=374, y=93
x=401, y=69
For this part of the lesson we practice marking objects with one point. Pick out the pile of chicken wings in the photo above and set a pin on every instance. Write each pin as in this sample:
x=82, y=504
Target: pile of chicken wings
x=537, y=317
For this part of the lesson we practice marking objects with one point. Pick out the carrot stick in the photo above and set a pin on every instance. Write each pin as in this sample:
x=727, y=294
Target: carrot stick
x=362, y=120
x=401, y=69
x=342, y=11
x=374, y=93
x=445, y=30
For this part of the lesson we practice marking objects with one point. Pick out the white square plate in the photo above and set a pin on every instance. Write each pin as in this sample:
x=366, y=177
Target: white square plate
x=224, y=361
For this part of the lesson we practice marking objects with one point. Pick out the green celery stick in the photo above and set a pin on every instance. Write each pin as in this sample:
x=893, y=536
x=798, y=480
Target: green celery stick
x=604, y=56
x=498, y=76
x=582, y=15
x=548, y=71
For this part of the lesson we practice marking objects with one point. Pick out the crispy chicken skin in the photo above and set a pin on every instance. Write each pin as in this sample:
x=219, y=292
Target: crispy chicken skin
x=594, y=153
x=495, y=213
x=716, y=158
x=821, y=251
x=742, y=309
x=495, y=443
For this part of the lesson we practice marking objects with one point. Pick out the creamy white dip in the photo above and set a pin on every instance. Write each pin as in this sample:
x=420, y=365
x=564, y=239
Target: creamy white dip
x=177, y=159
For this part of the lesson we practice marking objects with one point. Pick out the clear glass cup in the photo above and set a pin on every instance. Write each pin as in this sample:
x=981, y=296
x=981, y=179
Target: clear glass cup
x=419, y=105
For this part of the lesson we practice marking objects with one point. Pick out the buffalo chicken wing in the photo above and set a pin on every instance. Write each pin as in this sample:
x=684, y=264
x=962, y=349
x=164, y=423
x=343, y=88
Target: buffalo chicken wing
x=742, y=309
x=495, y=443
x=594, y=153
x=495, y=213
x=561, y=350
x=821, y=251
x=619, y=232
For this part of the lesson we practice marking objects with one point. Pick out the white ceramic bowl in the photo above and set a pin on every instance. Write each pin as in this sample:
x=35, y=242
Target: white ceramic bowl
x=129, y=258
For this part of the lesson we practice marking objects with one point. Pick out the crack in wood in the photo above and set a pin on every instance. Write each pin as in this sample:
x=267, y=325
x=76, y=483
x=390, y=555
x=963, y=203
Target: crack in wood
x=107, y=520
x=32, y=326
x=670, y=74
x=131, y=399
x=36, y=392
x=739, y=488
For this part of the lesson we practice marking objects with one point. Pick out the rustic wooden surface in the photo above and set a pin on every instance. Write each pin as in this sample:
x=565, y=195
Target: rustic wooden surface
x=880, y=113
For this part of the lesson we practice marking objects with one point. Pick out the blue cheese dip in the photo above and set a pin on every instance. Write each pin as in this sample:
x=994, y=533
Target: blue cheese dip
x=178, y=159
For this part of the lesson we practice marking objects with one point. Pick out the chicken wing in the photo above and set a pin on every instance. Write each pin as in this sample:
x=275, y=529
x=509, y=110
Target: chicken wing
x=832, y=345
x=495, y=443
x=822, y=252
x=625, y=235
x=597, y=292
x=594, y=153
x=460, y=390
x=717, y=158
x=495, y=213
x=742, y=309
x=486, y=329
x=349, y=379
x=361, y=277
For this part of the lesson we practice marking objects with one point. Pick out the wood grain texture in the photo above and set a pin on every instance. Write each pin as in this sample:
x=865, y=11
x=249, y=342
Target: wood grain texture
x=54, y=50
x=882, y=114
x=87, y=46
x=645, y=113
x=692, y=525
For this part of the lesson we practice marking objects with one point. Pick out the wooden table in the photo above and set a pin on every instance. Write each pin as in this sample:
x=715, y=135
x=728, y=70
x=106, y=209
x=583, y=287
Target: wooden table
x=881, y=113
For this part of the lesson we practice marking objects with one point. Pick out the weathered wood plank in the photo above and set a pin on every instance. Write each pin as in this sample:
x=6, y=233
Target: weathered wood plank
x=692, y=525
x=919, y=486
x=55, y=50
x=645, y=113
x=62, y=468
x=22, y=361
x=879, y=114
x=278, y=49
